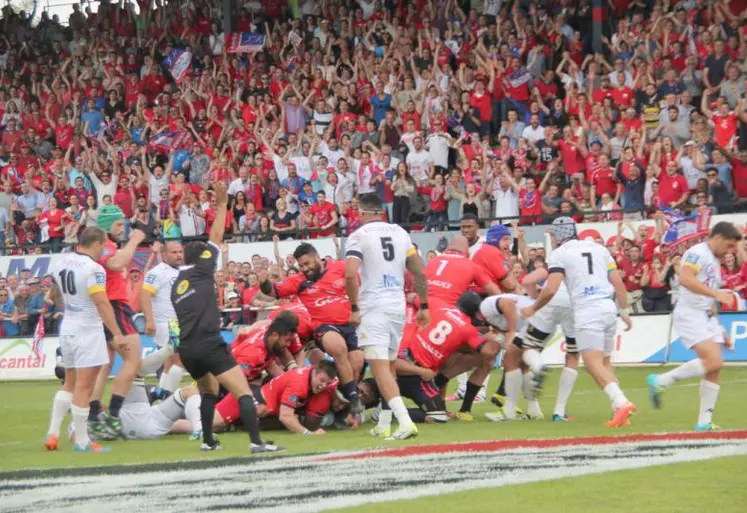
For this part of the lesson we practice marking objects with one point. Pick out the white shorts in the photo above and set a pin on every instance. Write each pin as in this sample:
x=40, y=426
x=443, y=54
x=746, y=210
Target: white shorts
x=83, y=350
x=161, y=338
x=547, y=318
x=694, y=326
x=380, y=333
x=143, y=421
x=596, y=328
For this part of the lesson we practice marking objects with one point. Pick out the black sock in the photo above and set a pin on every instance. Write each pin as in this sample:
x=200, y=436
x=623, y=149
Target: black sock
x=440, y=380
x=115, y=405
x=249, y=418
x=207, y=412
x=94, y=410
x=469, y=396
x=502, y=387
x=350, y=391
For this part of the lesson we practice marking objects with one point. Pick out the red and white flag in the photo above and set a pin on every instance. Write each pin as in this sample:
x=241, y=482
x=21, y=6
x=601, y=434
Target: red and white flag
x=38, y=345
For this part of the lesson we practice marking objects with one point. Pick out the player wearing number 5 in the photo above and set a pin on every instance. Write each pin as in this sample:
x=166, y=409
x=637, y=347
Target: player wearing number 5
x=381, y=252
x=593, y=282
x=82, y=282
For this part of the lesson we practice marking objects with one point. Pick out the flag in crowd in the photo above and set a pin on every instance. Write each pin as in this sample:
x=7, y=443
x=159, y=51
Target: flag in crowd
x=519, y=77
x=178, y=62
x=244, y=42
x=685, y=228
x=37, y=347
x=166, y=141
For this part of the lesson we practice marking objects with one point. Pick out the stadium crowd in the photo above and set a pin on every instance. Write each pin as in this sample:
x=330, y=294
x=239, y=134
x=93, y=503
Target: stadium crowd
x=500, y=110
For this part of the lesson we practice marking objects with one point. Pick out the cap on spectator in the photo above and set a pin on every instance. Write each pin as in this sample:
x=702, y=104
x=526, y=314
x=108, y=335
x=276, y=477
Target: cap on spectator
x=231, y=294
x=134, y=268
x=33, y=281
x=689, y=143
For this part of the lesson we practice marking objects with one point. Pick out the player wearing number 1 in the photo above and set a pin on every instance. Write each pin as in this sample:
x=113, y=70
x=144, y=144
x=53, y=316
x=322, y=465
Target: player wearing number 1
x=82, y=282
x=381, y=252
x=593, y=282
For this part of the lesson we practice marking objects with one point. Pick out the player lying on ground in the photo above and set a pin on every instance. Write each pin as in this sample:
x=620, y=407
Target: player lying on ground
x=308, y=390
x=448, y=346
x=320, y=286
x=696, y=321
x=82, y=282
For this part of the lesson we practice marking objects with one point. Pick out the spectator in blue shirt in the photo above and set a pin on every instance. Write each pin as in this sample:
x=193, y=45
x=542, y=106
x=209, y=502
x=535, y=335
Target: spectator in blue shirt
x=632, y=196
x=94, y=118
x=307, y=194
x=36, y=302
x=380, y=103
x=7, y=314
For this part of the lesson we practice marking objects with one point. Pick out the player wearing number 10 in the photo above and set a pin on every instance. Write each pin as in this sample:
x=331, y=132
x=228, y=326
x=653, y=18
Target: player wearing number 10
x=82, y=282
x=593, y=282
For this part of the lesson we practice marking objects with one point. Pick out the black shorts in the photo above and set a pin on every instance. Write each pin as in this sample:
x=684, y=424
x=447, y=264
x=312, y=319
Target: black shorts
x=423, y=393
x=123, y=315
x=207, y=356
x=348, y=332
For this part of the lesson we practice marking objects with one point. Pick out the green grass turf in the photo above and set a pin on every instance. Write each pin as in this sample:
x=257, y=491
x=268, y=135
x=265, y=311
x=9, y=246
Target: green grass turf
x=24, y=415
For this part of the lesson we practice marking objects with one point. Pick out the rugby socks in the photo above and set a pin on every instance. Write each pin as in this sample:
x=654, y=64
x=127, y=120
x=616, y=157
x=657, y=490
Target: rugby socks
x=207, y=412
x=385, y=416
x=80, y=421
x=115, y=405
x=470, y=392
x=692, y=369
x=565, y=387
x=397, y=405
x=708, y=398
x=533, y=360
x=94, y=408
x=60, y=405
x=513, y=381
x=533, y=405
x=192, y=411
x=616, y=396
x=171, y=379
x=350, y=391
x=440, y=380
x=249, y=417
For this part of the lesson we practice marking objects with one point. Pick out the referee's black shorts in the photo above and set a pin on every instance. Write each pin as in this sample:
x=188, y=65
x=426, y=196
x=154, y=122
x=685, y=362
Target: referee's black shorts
x=123, y=315
x=206, y=356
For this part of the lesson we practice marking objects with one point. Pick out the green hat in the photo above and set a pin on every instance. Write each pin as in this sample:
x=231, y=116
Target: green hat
x=108, y=215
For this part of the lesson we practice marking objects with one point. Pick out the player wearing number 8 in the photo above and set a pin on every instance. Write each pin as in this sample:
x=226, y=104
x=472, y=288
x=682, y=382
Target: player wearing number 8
x=82, y=282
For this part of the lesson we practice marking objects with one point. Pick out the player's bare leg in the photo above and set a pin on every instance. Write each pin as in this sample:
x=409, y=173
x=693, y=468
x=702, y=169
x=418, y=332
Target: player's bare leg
x=60, y=405
x=315, y=355
x=334, y=345
x=565, y=386
x=707, y=366
x=594, y=364
x=386, y=381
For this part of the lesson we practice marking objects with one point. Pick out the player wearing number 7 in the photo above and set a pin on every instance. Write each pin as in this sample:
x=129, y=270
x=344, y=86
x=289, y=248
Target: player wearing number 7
x=381, y=252
x=593, y=282
x=82, y=282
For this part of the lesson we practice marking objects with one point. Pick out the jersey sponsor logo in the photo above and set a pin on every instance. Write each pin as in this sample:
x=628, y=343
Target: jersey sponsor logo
x=182, y=287
x=107, y=252
x=206, y=254
x=101, y=278
x=691, y=258
x=292, y=398
x=327, y=301
x=151, y=279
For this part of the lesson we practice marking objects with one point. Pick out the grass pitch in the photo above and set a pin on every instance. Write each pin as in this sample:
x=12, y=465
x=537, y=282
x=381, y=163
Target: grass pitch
x=715, y=485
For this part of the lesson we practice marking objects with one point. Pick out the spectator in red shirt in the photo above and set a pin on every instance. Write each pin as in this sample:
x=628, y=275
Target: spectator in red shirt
x=634, y=269
x=325, y=215
x=673, y=190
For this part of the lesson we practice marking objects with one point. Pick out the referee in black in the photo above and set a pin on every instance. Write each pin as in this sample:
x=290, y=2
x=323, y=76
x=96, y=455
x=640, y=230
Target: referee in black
x=203, y=352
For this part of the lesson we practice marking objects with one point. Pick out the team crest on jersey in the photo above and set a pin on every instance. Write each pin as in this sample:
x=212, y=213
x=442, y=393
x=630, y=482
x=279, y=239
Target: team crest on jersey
x=150, y=279
x=182, y=287
x=100, y=279
x=339, y=283
x=206, y=254
x=107, y=252
x=691, y=258
x=293, y=398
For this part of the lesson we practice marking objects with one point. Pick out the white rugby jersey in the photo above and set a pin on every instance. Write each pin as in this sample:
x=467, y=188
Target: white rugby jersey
x=706, y=265
x=586, y=266
x=561, y=297
x=79, y=277
x=158, y=282
x=489, y=310
x=476, y=246
x=383, y=249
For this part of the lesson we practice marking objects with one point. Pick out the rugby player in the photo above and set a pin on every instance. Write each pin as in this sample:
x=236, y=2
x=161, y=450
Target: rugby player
x=696, y=321
x=541, y=328
x=309, y=389
x=201, y=348
x=82, y=282
x=304, y=333
x=381, y=252
x=321, y=288
x=591, y=275
x=430, y=355
x=117, y=264
x=155, y=301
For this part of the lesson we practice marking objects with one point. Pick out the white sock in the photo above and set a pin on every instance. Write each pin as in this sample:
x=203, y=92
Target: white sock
x=192, y=412
x=565, y=387
x=462, y=383
x=533, y=408
x=80, y=421
x=171, y=379
x=385, y=418
x=60, y=405
x=708, y=397
x=513, y=389
x=692, y=369
x=616, y=395
x=398, y=408
x=533, y=360
x=526, y=385
x=153, y=361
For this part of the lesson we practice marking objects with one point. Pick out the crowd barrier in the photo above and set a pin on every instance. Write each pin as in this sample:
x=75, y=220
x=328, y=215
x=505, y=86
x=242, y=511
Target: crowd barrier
x=652, y=340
